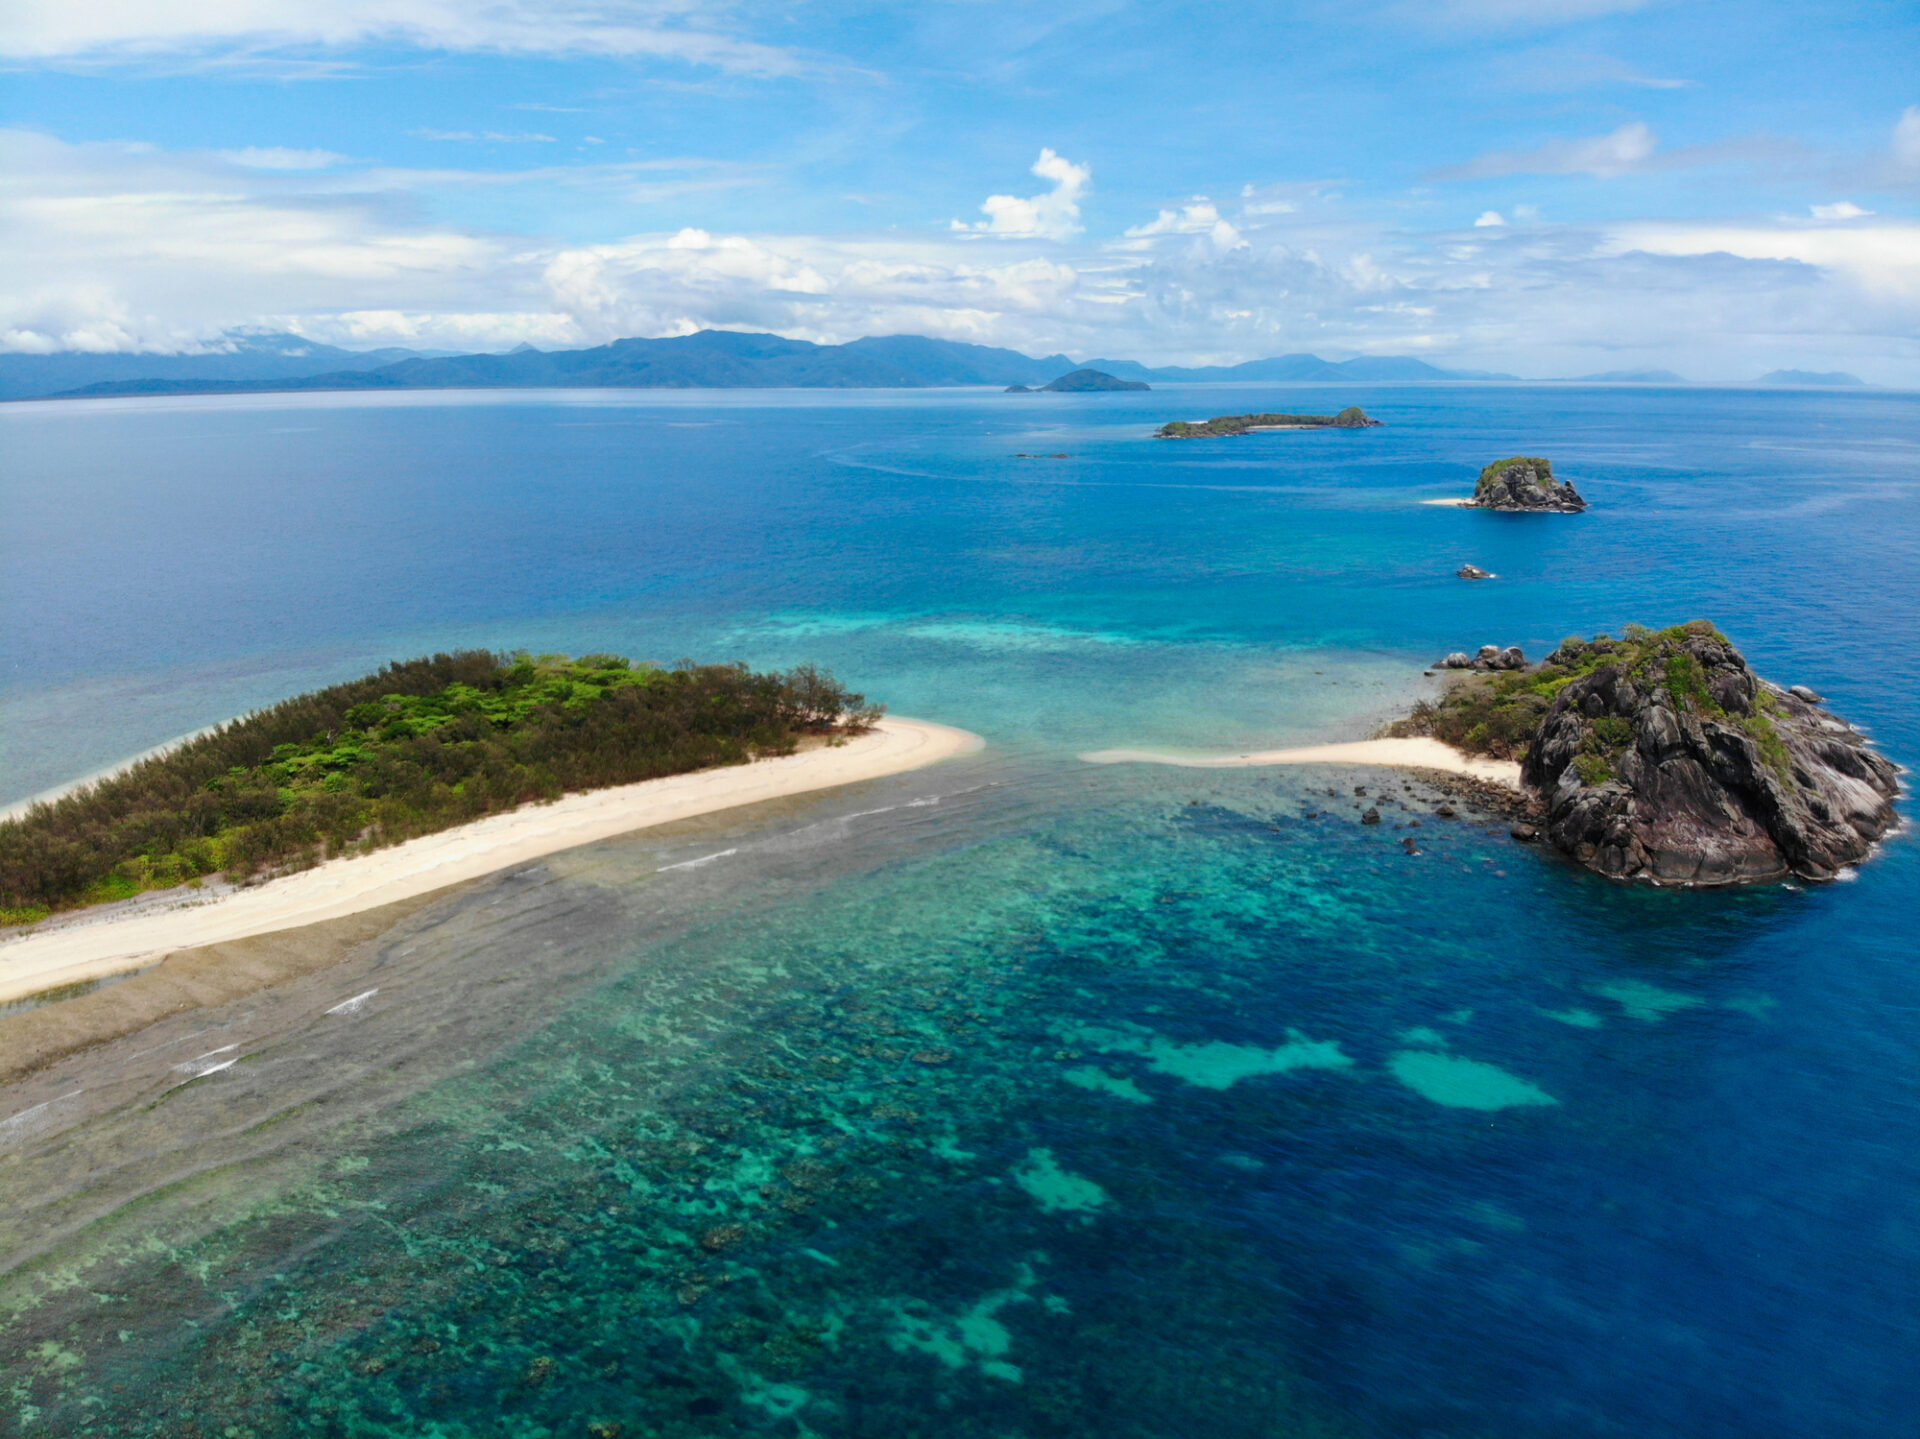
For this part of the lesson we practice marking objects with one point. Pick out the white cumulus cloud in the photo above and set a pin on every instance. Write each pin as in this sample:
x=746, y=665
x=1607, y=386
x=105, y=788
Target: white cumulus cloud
x=1489, y=219
x=1054, y=215
x=1199, y=216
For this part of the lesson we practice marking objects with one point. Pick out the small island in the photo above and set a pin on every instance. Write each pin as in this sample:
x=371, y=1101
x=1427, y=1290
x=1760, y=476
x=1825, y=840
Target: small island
x=1081, y=382
x=1663, y=757
x=1351, y=418
x=417, y=748
x=1524, y=484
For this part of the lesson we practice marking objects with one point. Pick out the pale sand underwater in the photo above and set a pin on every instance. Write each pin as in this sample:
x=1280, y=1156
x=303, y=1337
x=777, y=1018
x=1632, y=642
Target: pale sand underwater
x=1392, y=753
x=80, y=950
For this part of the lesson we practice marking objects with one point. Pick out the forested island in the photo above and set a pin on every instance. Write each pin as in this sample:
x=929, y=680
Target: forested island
x=1351, y=418
x=418, y=747
x=1662, y=756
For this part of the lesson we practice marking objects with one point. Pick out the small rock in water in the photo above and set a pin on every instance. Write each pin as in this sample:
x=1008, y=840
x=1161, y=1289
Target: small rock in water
x=1525, y=833
x=1409, y=846
x=1359, y=789
x=1372, y=816
x=1445, y=811
x=1473, y=572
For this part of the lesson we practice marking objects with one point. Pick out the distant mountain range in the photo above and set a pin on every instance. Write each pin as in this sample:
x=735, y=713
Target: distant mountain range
x=1810, y=377
x=1635, y=377
x=724, y=359
x=718, y=359
x=243, y=356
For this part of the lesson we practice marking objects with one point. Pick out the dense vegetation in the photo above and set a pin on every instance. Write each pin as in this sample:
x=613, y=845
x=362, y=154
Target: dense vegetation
x=1351, y=418
x=1492, y=472
x=1497, y=713
x=418, y=747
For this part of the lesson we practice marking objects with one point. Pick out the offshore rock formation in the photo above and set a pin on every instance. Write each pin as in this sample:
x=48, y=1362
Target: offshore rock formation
x=1525, y=484
x=1491, y=657
x=1665, y=757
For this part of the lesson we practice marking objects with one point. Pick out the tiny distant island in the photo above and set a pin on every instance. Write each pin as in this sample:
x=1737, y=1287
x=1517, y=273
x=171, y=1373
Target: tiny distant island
x=1079, y=382
x=1524, y=484
x=419, y=747
x=1351, y=418
x=1662, y=757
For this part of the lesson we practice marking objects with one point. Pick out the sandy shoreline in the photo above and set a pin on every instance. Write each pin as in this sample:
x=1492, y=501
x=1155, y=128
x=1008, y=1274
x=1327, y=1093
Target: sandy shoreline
x=1451, y=504
x=1392, y=753
x=78, y=951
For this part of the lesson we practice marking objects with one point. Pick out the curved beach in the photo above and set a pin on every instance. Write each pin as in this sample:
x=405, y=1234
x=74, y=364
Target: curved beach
x=81, y=949
x=1392, y=753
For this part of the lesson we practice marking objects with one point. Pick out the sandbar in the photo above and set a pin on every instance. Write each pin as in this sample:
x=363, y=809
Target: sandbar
x=74, y=950
x=1392, y=753
x=1451, y=504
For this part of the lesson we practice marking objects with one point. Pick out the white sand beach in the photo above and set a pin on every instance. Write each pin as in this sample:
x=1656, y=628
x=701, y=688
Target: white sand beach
x=80, y=949
x=1393, y=753
x=1451, y=504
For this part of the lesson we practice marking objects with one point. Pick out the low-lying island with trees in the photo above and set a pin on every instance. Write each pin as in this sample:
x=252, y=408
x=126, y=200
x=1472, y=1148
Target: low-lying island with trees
x=1220, y=426
x=419, y=747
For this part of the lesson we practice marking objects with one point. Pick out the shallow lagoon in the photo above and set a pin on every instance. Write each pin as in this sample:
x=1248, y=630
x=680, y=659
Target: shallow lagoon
x=1019, y=1096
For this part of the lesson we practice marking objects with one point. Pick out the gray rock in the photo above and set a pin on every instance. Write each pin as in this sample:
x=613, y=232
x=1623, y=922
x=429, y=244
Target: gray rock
x=1372, y=816
x=1525, y=833
x=1672, y=761
x=1473, y=572
x=1525, y=484
x=1455, y=661
x=1801, y=692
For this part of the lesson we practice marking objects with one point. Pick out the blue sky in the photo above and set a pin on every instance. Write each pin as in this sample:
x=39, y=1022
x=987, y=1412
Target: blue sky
x=1547, y=188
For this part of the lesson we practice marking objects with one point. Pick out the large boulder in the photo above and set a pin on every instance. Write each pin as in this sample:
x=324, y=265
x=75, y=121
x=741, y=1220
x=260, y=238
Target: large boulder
x=1525, y=484
x=1665, y=757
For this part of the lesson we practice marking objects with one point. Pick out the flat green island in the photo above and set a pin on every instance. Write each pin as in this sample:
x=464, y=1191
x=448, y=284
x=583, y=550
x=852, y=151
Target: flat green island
x=419, y=747
x=1351, y=418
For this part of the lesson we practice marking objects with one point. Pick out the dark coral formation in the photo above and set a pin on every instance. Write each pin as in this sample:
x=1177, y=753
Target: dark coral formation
x=1525, y=484
x=1665, y=757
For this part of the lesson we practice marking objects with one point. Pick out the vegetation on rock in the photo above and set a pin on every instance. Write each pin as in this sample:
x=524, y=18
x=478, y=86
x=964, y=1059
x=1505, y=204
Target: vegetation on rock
x=1522, y=483
x=1351, y=418
x=1662, y=755
x=418, y=747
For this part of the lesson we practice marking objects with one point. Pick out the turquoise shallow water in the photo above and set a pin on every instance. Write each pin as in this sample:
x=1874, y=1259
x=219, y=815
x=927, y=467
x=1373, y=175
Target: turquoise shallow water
x=1017, y=1096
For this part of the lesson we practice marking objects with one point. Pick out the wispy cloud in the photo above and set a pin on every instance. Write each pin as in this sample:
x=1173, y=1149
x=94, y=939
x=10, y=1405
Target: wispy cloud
x=495, y=137
x=1508, y=14
x=1606, y=156
x=1906, y=137
x=124, y=31
x=1554, y=70
x=274, y=157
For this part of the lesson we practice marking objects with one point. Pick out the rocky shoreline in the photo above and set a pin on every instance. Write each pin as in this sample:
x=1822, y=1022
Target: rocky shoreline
x=1663, y=757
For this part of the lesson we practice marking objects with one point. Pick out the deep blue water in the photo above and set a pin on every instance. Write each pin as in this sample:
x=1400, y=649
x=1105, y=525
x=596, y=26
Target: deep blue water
x=1017, y=1096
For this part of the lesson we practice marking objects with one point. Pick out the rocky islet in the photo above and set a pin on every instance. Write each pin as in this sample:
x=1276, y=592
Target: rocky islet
x=1664, y=757
x=1524, y=484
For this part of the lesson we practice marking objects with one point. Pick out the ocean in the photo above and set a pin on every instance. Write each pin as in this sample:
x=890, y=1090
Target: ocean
x=1019, y=1096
